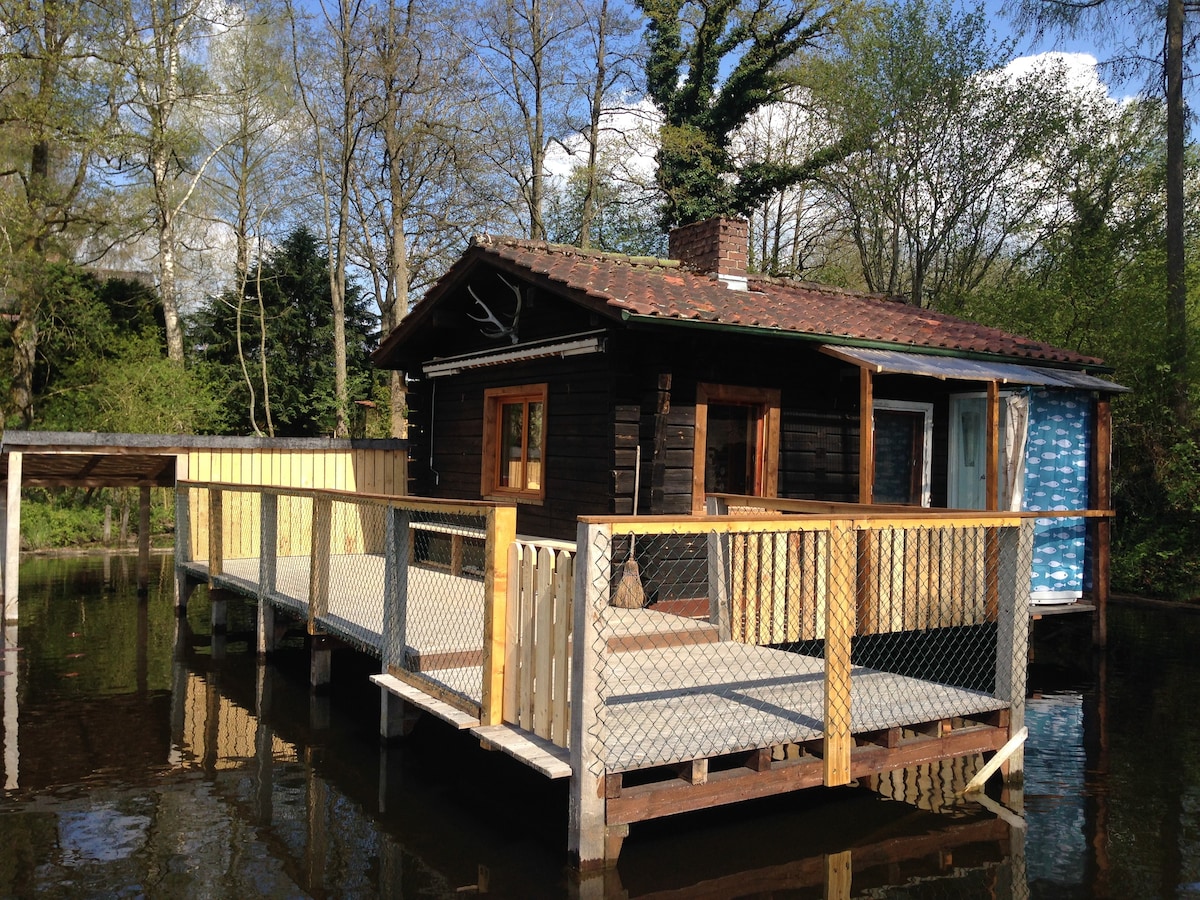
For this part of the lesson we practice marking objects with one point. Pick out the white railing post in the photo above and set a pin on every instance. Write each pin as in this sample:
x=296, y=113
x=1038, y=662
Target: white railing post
x=268, y=546
x=1013, y=564
x=588, y=831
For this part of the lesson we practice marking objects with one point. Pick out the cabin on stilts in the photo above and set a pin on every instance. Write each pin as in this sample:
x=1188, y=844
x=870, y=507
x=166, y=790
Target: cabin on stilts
x=832, y=488
x=574, y=382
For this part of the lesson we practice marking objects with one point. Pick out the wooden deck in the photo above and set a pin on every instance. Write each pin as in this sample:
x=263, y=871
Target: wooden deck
x=648, y=712
x=666, y=706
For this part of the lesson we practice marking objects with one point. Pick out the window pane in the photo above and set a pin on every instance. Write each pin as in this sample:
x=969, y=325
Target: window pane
x=899, y=438
x=731, y=449
x=536, y=436
x=512, y=426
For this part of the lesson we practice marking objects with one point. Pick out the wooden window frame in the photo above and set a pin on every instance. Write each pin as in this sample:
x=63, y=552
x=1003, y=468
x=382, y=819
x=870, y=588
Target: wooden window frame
x=494, y=401
x=766, y=403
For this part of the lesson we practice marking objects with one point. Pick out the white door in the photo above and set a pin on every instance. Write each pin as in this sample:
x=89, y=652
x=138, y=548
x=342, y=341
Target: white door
x=967, y=472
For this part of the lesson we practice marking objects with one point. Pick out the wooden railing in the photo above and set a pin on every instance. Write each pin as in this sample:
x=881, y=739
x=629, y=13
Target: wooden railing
x=541, y=588
x=817, y=577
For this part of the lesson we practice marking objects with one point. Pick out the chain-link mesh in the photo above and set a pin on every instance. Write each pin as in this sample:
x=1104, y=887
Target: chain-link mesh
x=713, y=639
x=437, y=619
x=404, y=581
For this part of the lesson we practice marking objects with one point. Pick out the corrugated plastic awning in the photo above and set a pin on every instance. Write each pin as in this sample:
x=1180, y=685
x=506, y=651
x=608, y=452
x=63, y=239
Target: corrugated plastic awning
x=897, y=362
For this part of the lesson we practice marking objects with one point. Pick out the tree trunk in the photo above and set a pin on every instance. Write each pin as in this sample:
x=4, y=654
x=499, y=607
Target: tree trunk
x=1177, y=326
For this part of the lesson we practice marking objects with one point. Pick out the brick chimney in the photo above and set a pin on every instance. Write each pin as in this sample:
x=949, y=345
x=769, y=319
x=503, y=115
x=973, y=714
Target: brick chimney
x=718, y=247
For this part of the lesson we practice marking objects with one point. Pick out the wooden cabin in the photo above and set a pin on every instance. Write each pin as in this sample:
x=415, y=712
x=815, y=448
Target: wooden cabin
x=576, y=382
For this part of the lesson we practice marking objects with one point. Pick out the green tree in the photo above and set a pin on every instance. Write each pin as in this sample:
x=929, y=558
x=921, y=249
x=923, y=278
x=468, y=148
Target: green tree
x=100, y=362
x=710, y=67
x=55, y=124
x=964, y=159
x=1132, y=26
x=296, y=340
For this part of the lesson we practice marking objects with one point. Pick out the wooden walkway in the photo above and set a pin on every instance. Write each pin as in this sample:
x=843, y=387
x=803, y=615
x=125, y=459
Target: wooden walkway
x=648, y=712
x=665, y=707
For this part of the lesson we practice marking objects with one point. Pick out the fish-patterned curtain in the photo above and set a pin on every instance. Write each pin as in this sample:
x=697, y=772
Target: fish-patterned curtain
x=1057, y=455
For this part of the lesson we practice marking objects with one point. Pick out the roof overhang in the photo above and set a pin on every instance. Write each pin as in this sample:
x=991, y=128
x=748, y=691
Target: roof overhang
x=897, y=362
x=569, y=345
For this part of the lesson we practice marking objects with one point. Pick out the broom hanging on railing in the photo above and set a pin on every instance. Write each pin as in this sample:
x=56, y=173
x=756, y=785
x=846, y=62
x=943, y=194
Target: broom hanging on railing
x=629, y=593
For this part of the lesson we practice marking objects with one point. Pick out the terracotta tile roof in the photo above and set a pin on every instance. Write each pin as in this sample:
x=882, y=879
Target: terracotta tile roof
x=655, y=288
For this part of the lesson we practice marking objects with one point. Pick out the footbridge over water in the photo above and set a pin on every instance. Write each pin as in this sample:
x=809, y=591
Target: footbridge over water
x=146, y=461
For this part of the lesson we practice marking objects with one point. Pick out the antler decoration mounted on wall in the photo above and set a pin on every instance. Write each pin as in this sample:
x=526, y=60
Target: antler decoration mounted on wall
x=501, y=330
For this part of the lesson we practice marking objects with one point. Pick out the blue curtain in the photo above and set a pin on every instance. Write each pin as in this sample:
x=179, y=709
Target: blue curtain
x=1057, y=456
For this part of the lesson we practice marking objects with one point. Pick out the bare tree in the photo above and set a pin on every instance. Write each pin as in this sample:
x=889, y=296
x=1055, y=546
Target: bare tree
x=167, y=98
x=333, y=102
x=56, y=120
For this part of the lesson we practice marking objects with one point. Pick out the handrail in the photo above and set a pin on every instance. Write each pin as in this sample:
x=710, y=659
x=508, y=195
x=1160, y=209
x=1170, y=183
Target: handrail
x=859, y=510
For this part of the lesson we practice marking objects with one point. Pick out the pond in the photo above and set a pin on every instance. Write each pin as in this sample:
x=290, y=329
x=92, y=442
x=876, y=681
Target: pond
x=145, y=756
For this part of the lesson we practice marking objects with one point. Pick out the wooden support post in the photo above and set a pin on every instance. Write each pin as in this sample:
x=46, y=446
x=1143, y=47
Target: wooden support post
x=143, y=567
x=216, y=533
x=866, y=436
x=719, y=603
x=992, y=432
x=1101, y=487
x=12, y=537
x=501, y=532
x=1012, y=632
x=265, y=627
x=320, y=668
x=268, y=545
x=397, y=551
x=396, y=718
x=587, y=837
x=839, y=629
x=318, y=573
x=267, y=562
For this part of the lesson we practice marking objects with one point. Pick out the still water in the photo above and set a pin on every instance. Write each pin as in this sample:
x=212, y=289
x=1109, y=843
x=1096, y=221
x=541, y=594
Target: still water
x=144, y=756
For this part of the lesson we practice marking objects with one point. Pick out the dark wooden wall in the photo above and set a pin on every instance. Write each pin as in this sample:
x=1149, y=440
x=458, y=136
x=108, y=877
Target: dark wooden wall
x=579, y=471
x=641, y=392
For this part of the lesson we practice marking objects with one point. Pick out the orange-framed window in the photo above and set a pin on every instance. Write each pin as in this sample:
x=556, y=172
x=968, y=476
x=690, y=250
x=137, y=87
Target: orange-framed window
x=514, y=442
x=737, y=442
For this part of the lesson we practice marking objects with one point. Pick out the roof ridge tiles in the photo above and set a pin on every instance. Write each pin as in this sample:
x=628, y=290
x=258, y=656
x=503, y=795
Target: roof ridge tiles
x=497, y=241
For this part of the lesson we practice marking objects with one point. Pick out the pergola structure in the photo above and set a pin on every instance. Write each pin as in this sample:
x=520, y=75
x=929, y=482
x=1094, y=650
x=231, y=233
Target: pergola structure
x=98, y=459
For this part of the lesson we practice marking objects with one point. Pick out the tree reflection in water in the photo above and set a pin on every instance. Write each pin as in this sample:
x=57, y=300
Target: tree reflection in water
x=145, y=754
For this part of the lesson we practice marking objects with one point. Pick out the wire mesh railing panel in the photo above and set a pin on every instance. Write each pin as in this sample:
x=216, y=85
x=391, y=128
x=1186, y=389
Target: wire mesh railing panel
x=672, y=684
x=239, y=534
x=294, y=523
x=349, y=567
x=929, y=600
x=438, y=633
x=710, y=639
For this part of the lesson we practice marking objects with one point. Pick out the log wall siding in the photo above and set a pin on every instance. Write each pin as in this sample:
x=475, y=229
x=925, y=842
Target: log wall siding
x=581, y=472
